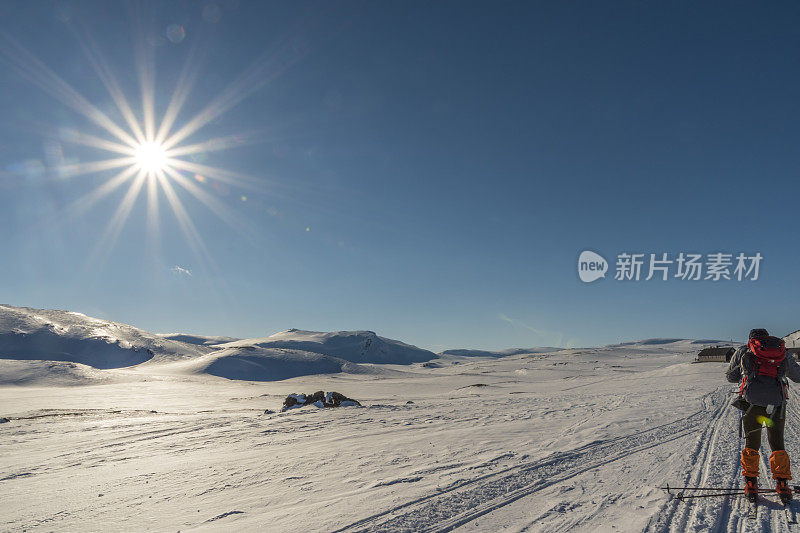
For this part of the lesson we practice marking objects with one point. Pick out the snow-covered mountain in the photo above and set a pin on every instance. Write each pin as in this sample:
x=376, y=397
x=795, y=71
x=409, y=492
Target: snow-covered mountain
x=74, y=345
x=254, y=363
x=353, y=346
x=40, y=334
x=294, y=353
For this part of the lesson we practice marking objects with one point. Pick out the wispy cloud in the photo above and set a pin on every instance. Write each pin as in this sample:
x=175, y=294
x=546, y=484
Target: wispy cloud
x=181, y=271
x=546, y=337
x=520, y=324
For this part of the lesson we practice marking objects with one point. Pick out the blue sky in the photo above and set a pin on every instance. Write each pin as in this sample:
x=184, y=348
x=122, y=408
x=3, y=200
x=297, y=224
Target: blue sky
x=430, y=171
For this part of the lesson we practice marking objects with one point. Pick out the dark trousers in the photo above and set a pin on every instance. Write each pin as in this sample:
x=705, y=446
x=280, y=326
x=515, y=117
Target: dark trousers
x=752, y=426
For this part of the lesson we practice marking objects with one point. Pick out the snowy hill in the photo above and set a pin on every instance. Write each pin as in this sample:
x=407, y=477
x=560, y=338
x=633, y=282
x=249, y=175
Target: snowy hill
x=666, y=341
x=39, y=373
x=39, y=334
x=353, y=346
x=253, y=363
x=46, y=347
x=294, y=353
x=465, y=352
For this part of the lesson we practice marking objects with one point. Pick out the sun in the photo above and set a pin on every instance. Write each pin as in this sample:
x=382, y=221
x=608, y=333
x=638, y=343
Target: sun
x=153, y=155
x=150, y=157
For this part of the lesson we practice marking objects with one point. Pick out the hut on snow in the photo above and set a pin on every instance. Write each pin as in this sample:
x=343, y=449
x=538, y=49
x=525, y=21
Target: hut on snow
x=716, y=354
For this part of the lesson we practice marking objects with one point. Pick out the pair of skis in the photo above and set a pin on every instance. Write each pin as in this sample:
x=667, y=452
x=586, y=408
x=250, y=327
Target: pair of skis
x=716, y=491
x=710, y=492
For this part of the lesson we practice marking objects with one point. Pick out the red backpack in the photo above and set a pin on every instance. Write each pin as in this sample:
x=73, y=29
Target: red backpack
x=770, y=353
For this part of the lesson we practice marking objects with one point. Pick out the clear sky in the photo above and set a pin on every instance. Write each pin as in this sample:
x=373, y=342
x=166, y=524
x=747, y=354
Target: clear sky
x=426, y=170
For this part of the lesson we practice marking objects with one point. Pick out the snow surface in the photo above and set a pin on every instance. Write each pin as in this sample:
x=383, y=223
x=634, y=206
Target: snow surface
x=576, y=440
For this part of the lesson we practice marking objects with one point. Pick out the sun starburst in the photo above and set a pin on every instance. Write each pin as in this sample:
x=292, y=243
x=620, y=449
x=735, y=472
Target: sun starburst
x=149, y=154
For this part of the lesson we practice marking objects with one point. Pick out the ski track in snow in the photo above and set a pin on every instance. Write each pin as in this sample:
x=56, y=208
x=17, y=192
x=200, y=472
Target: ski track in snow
x=716, y=459
x=467, y=501
x=712, y=462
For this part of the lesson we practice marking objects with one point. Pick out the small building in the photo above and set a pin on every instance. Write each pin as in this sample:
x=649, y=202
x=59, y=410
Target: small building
x=716, y=354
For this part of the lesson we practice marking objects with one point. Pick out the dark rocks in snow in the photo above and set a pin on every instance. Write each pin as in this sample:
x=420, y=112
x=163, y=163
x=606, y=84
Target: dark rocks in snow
x=318, y=399
x=409, y=402
x=4, y=420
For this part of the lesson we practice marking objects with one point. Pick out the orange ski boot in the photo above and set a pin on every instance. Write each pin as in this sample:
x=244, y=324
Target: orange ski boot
x=781, y=471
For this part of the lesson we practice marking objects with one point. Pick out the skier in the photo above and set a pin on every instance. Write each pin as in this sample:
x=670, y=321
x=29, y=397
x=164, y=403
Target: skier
x=761, y=368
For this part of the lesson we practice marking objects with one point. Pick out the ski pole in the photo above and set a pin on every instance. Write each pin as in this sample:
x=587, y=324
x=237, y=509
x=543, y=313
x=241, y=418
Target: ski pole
x=741, y=424
x=668, y=488
x=692, y=496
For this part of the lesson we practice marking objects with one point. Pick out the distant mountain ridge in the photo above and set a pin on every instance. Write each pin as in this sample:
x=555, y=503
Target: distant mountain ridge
x=466, y=352
x=37, y=335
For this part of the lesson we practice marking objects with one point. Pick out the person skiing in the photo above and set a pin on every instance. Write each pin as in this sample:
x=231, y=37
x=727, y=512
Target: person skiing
x=761, y=368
